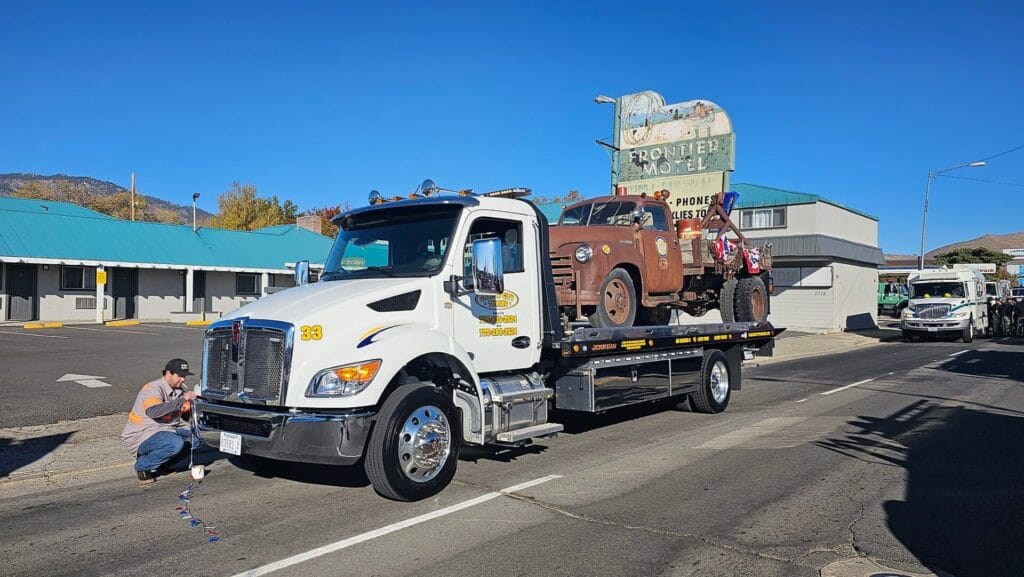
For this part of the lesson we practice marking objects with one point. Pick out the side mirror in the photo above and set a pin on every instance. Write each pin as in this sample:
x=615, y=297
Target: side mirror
x=302, y=273
x=488, y=271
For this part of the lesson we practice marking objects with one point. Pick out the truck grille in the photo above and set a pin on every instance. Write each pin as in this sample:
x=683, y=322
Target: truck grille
x=937, y=311
x=247, y=361
x=561, y=270
x=264, y=364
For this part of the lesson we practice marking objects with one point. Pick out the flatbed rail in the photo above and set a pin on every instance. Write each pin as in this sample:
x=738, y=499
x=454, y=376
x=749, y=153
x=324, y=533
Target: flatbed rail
x=588, y=342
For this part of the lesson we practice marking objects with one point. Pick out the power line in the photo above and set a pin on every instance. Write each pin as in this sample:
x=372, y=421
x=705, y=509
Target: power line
x=1002, y=153
x=981, y=180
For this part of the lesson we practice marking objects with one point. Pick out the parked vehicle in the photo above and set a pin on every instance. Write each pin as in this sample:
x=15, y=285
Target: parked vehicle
x=996, y=290
x=1017, y=294
x=621, y=260
x=435, y=324
x=892, y=298
x=946, y=302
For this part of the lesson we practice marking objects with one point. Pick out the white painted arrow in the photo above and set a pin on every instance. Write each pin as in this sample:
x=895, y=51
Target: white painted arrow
x=90, y=381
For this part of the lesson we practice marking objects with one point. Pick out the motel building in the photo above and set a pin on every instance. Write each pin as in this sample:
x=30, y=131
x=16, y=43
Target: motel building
x=62, y=262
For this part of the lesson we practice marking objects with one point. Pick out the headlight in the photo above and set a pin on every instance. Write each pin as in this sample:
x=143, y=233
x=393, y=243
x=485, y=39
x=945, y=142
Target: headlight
x=908, y=313
x=962, y=314
x=584, y=253
x=343, y=381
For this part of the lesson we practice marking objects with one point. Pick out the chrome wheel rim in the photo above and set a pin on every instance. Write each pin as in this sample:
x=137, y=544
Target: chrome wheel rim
x=719, y=382
x=424, y=444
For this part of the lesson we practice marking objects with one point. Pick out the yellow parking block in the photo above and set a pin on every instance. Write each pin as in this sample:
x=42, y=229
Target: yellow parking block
x=124, y=323
x=47, y=325
x=198, y=323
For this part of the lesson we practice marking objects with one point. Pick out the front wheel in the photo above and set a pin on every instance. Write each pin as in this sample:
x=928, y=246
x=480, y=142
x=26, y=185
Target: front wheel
x=968, y=335
x=616, y=307
x=414, y=448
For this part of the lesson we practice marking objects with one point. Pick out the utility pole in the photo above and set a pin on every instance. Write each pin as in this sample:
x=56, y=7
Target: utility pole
x=133, y=196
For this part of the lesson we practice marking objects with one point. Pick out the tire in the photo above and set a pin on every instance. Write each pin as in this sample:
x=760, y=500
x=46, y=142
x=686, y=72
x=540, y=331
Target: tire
x=751, y=300
x=398, y=466
x=617, y=306
x=654, y=316
x=968, y=336
x=714, y=392
x=726, y=301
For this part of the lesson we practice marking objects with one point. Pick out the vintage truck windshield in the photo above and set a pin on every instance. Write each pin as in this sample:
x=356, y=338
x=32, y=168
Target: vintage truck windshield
x=598, y=214
x=400, y=242
x=936, y=290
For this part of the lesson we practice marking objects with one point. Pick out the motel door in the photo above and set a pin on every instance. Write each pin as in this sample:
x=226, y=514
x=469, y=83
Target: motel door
x=21, y=286
x=125, y=292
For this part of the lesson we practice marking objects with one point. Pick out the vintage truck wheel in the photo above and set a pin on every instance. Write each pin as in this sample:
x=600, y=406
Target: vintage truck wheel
x=617, y=304
x=714, y=392
x=751, y=300
x=726, y=301
x=654, y=316
x=414, y=448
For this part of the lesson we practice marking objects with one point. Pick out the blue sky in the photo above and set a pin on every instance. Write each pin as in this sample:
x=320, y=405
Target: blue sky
x=322, y=102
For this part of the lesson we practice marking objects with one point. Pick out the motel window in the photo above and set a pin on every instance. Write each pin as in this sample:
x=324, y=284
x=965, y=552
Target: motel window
x=77, y=278
x=247, y=283
x=763, y=218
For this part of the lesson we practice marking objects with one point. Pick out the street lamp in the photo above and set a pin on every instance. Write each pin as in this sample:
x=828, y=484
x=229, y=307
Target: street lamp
x=195, y=197
x=924, y=218
x=602, y=99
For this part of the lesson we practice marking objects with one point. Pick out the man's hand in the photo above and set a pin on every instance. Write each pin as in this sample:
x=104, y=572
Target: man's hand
x=190, y=395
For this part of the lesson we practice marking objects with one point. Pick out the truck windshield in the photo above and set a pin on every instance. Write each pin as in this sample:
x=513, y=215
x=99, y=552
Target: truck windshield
x=390, y=242
x=935, y=290
x=576, y=216
x=612, y=213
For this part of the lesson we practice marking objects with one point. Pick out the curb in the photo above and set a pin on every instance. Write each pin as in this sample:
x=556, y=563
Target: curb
x=198, y=323
x=42, y=325
x=125, y=323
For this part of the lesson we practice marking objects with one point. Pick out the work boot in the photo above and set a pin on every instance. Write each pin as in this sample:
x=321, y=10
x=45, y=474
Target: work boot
x=146, y=477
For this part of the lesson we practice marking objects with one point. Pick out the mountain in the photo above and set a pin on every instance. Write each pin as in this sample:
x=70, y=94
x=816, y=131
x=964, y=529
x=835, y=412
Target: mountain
x=13, y=181
x=996, y=242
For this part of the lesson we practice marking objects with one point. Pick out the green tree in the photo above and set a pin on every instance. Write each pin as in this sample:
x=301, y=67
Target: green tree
x=966, y=255
x=118, y=205
x=241, y=208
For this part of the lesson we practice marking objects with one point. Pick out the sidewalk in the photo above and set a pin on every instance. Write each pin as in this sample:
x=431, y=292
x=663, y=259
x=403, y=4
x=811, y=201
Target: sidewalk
x=72, y=452
x=800, y=345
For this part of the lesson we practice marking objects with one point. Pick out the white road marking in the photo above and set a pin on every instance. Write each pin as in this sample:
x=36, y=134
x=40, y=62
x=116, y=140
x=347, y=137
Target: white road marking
x=112, y=331
x=345, y=543
x=34, y=335
x=850, y=386
x=802, y=400
x=960, y=353
x=745, y=435
x=85, y=380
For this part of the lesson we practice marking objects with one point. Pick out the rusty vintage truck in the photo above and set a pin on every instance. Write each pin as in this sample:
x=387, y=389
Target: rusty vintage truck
x=622, y=260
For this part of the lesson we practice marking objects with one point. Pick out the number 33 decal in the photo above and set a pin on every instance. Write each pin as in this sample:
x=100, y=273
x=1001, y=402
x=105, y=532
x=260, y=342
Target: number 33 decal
x=311, y=332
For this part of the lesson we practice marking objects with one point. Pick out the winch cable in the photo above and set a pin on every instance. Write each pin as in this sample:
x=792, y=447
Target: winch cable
x=185, y=510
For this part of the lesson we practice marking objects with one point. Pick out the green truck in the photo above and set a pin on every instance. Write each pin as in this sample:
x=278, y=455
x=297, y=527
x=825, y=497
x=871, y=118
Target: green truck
x=892, y=298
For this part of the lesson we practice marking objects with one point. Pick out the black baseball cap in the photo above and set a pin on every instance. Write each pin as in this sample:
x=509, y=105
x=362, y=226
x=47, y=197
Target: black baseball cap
x=178, y=367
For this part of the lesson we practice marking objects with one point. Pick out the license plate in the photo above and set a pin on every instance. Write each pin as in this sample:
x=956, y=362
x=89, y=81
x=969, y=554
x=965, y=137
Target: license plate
x=230, y=443
x=933, y=329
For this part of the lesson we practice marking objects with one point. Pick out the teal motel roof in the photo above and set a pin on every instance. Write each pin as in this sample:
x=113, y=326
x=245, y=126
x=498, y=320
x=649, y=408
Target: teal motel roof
x=552, y=211
x=45, y=231
x=758, y=196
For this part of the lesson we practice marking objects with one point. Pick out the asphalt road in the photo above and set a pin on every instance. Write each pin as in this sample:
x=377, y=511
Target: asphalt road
x=32, y=361
x=919, y=468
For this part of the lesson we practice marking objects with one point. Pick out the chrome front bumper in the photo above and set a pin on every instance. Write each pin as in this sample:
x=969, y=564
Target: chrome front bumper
x=935, y=325
x=307, y=437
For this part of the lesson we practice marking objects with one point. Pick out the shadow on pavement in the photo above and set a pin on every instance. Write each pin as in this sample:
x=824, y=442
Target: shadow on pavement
x=329, y=475
x=963, y=510
x=16, y=454
x=988, y=364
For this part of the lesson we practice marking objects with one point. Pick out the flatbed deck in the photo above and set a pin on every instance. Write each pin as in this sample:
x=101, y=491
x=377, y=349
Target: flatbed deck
x=589, y=342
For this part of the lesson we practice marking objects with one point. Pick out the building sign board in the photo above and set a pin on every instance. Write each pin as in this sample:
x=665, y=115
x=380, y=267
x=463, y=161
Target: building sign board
x=689, y=196
x=101, y=276
x=686, y=148
x=1014, y=252
x=680, y=158
x=982, y=267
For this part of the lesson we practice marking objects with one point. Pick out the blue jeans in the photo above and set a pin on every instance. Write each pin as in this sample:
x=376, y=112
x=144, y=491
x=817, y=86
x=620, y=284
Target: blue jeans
x=162, y=447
